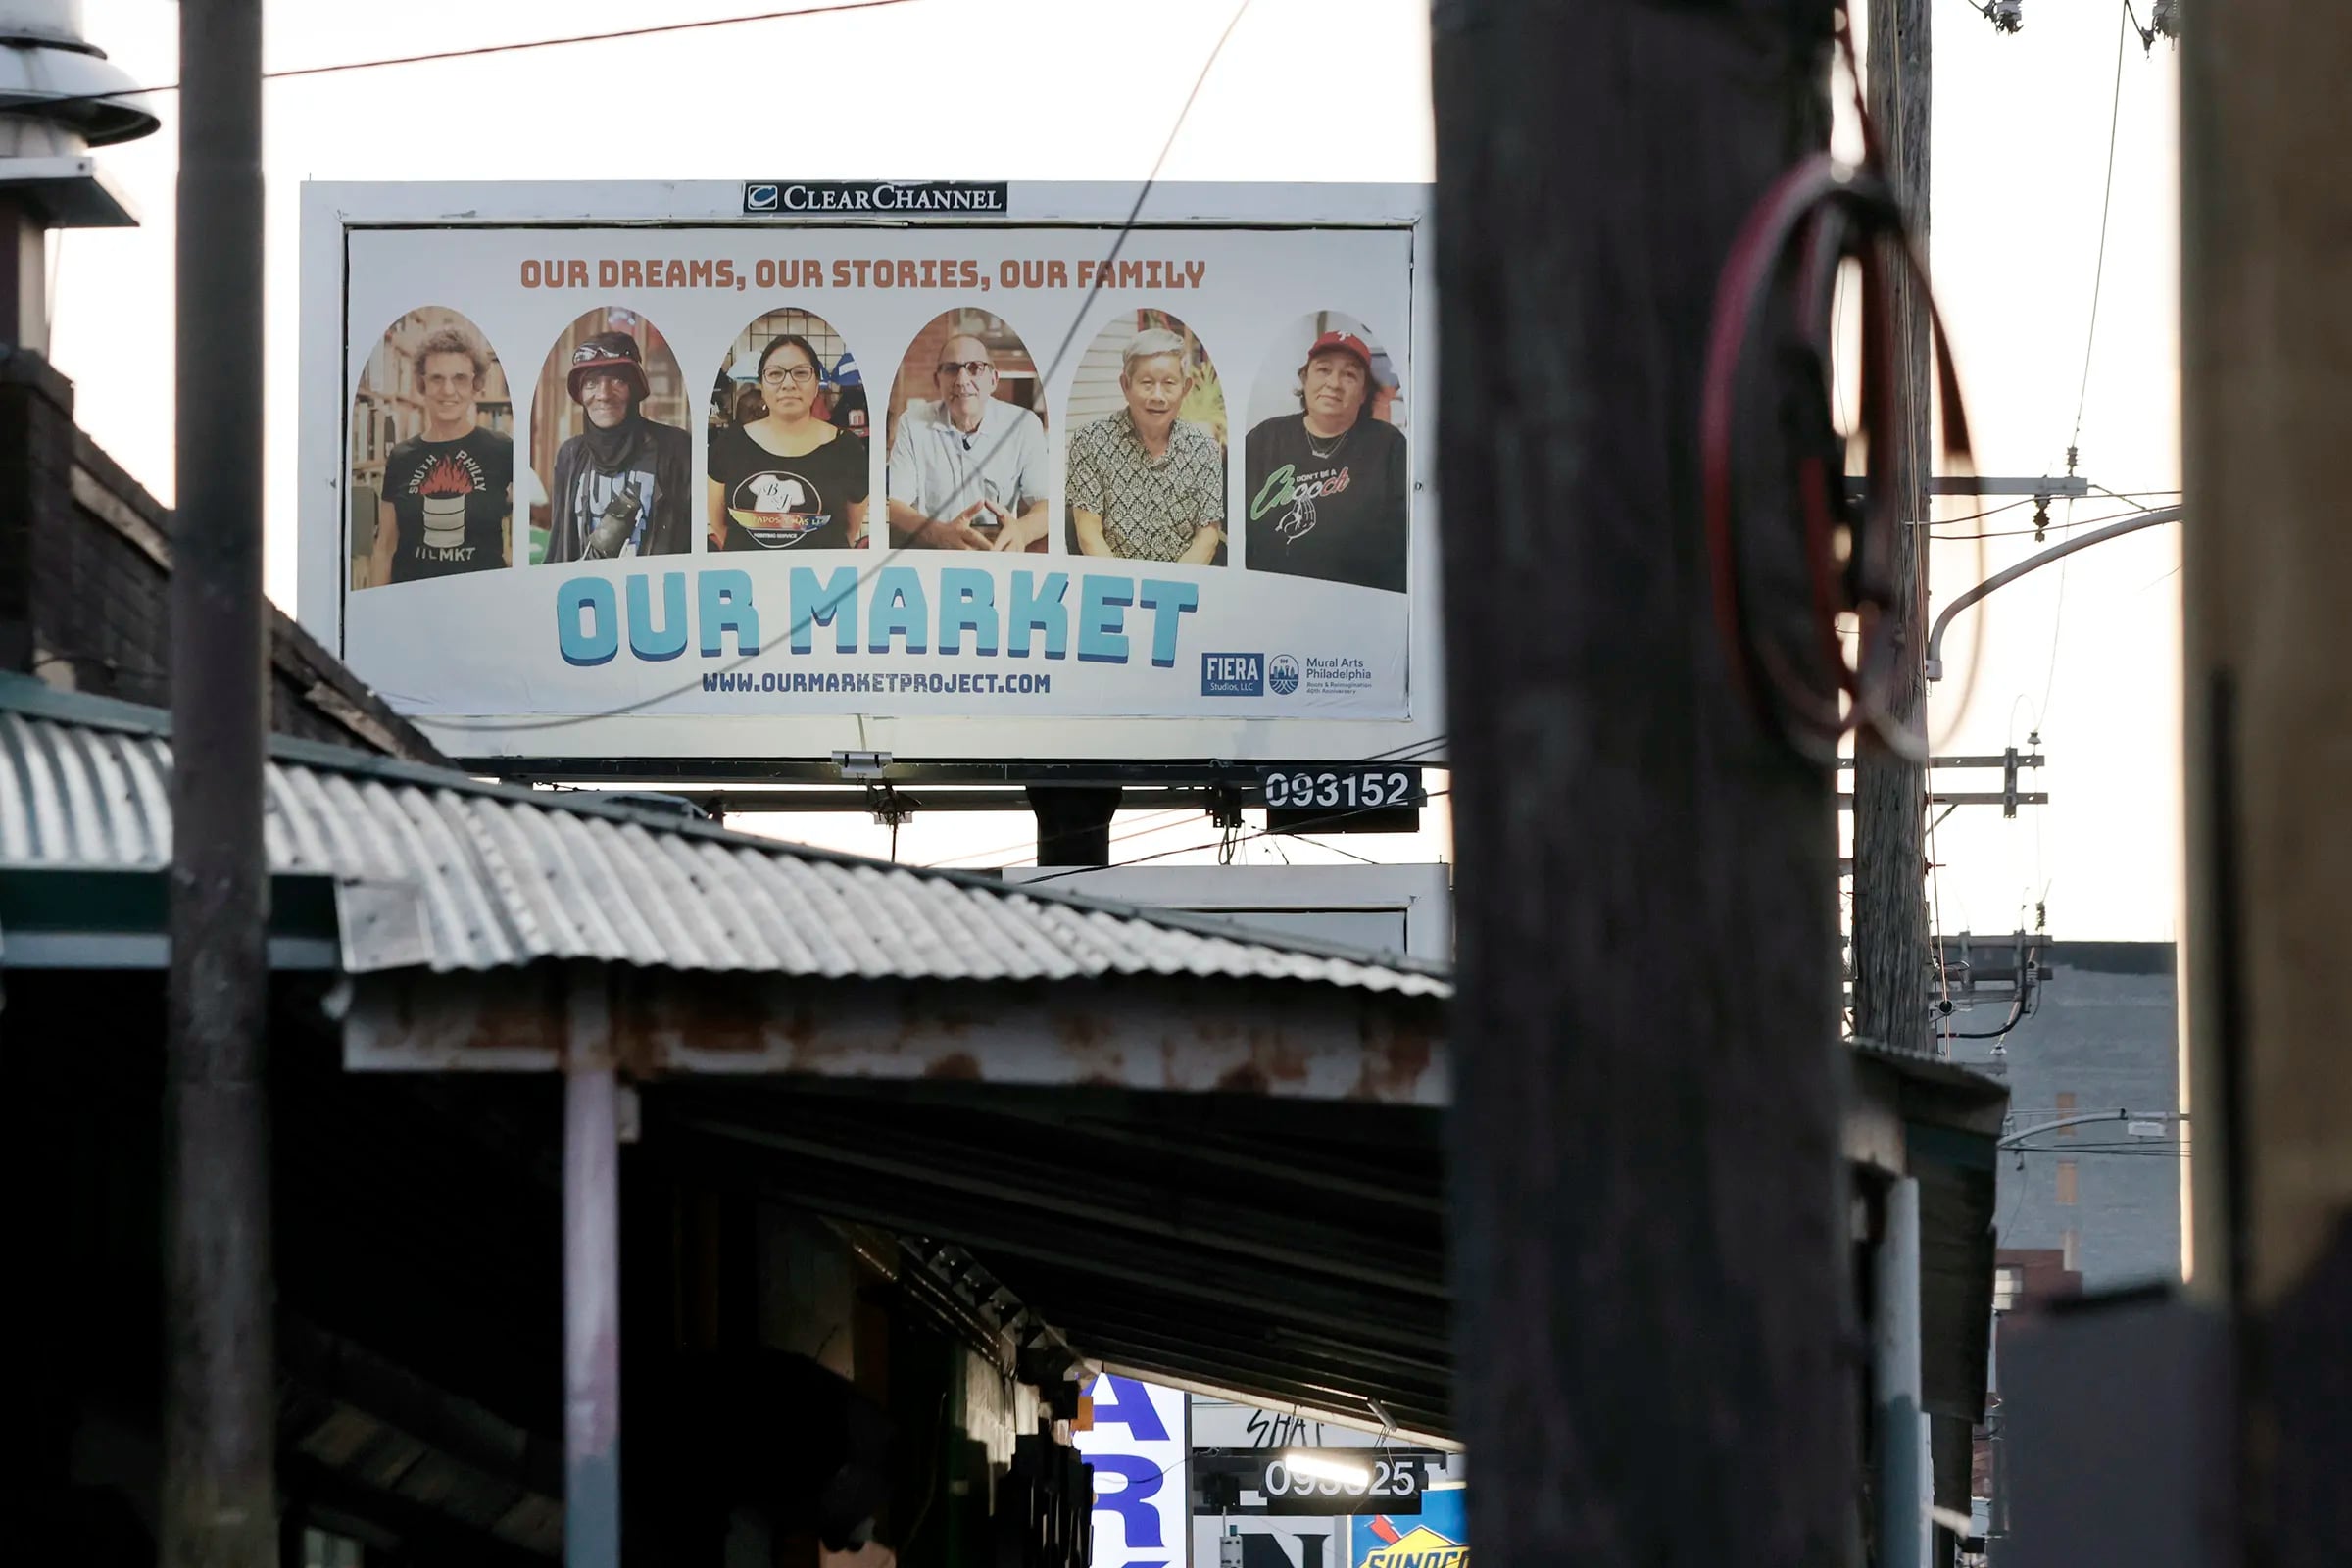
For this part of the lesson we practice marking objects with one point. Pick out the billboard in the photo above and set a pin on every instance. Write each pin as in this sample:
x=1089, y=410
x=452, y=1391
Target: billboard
x=1138, y=1447
x=967, y=472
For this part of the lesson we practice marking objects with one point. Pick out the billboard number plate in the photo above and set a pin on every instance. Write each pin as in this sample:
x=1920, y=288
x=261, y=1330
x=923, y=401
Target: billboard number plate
x=1343, y=789
x=1394, y=1487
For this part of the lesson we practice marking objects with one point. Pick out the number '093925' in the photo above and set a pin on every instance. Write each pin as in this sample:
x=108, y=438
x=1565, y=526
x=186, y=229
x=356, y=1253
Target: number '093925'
x=1389, y=1479
x=1339, y=790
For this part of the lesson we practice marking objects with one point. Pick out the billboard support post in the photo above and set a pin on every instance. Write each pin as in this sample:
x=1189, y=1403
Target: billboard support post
x=591, y=1279
x=1640, y=858
x=1073, y=823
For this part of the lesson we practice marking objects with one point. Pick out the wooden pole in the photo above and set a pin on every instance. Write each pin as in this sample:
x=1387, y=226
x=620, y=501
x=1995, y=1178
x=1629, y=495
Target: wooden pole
x=1890, y=861
x=1650, y=1235
x=218, y=1507
x=2267, y=384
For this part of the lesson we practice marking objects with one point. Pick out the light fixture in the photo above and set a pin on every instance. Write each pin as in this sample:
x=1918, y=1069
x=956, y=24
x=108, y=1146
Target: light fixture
x=1323, y=1467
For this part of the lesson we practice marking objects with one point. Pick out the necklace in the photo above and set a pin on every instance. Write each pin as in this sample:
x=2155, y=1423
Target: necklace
x=1320, y=450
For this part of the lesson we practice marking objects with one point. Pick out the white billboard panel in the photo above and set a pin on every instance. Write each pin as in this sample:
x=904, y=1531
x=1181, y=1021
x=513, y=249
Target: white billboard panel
x=702, y=473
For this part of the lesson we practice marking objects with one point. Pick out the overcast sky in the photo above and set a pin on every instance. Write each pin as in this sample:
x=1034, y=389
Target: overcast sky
x=1089, y=89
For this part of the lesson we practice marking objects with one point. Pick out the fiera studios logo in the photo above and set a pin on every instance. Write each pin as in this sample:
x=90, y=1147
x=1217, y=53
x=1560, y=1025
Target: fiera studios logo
x=1247, y=674
x=1233, y=674
x=837, y=196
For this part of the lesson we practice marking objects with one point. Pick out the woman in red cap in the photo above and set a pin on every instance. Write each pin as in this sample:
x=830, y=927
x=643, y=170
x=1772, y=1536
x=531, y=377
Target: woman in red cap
x=621, y=485
x=1328, y=487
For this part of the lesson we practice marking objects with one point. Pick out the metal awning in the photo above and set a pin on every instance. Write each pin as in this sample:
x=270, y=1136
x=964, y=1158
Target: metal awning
x=1199, y=1154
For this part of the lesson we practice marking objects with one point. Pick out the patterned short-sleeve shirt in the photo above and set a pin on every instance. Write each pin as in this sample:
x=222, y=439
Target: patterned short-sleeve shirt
x=1149, y=507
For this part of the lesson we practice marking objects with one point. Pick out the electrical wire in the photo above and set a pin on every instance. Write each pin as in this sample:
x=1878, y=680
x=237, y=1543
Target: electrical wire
x=1334, y=849
x=650, y=29
x=2090, y=337
x=1814, y=220
x=2055, y=527
x=1988, y=512
x=1410, y=752
x=1078, y=321
x=1190, y=848
x=2126, y=497
x=2098, y=276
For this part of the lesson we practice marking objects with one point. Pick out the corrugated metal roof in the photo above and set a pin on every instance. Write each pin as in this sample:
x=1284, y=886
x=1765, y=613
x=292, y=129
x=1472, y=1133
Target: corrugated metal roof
x=506, y=875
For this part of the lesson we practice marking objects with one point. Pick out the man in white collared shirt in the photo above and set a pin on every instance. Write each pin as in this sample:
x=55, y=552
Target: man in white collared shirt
x=967, y=471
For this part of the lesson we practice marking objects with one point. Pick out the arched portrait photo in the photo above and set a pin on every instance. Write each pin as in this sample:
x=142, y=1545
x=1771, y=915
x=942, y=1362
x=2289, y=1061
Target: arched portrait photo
x=785, y=469
x=432, y=454
x=967, y=439
x=1329, y=493
x=1143, y=474
x=609, y=446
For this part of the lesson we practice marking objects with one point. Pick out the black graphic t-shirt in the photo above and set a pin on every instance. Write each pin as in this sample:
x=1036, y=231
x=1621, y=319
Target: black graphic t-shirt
x=1330, y=509
x=622, y=492
x=777, y=503
x=449, y=502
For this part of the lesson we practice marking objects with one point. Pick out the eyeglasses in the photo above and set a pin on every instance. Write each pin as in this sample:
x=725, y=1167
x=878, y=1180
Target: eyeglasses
x=975, y=368
x=796, y=376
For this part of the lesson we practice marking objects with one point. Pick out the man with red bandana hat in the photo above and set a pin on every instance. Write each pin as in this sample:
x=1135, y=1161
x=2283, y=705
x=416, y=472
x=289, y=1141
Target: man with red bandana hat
x=1328, y=487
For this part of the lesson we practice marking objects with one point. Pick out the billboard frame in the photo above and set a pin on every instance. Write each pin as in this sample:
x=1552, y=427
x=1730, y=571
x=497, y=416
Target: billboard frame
x=660, y=747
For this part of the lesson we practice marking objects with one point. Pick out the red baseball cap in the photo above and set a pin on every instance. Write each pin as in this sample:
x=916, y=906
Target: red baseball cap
x=1346, y=343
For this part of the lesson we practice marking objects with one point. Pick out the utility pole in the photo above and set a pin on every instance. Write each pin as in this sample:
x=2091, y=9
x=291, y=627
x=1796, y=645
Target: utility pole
x=219, y=1504
x=2265, y=243
x=1890, y=957
x=1654, y=1324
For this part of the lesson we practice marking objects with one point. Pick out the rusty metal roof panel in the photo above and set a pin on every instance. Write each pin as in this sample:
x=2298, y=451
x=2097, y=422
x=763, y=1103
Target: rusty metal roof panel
x=502, y=877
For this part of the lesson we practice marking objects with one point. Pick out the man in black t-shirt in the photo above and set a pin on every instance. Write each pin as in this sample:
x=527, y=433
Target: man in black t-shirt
x=448, y=497
x=1329, y=491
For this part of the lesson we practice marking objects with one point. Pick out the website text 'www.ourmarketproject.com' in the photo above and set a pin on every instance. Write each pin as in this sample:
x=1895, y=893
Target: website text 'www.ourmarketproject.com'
x=811, y=683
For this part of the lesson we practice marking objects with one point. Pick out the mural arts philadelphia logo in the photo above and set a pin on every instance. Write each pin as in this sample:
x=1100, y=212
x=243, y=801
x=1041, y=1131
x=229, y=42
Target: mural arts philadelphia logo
x=1283, y=674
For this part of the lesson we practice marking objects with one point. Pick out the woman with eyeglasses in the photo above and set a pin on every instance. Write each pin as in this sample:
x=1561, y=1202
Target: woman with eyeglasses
x=789, y=480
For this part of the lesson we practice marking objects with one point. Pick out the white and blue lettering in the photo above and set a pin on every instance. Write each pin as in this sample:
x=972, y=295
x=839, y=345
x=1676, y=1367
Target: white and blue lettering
x=979, y=614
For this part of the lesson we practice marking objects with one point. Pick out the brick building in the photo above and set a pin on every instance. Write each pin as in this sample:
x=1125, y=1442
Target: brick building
x=85, y=581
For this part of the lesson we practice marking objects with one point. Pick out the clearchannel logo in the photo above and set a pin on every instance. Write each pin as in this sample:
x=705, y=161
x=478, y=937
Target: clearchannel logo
x=1233, y=674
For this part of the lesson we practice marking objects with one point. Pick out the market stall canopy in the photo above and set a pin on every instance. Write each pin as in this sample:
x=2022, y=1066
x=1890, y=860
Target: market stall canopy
x=1192, y=1152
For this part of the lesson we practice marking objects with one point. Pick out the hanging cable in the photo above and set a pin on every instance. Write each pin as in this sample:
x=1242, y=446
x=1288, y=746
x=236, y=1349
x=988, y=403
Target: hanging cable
x=1812, y=222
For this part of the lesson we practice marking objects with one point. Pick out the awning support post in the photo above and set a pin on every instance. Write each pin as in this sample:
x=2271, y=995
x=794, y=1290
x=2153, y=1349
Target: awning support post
x=591, y=1279
x=1903, y=1484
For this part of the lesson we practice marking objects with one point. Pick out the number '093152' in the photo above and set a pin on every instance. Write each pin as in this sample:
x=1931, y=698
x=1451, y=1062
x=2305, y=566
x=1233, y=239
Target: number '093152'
x=1339, y=790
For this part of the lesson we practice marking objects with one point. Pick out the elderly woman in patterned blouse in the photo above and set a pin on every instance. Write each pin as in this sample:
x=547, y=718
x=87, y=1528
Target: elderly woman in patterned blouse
x=1143, y=483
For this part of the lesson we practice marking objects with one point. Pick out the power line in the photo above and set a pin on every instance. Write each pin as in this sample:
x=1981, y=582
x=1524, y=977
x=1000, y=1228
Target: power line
x=2125, y=495
x=1077, y=320
x=2055, y=527
x=839, y=6
x=2098, y=275
x=2090, y=337
x=1308, y=825
x=1409, y=752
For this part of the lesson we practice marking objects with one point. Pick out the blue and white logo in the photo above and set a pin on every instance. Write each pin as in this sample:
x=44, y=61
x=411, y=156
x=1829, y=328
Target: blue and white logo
x=759, y=198
x=1283, y=674
x=1235, y=674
